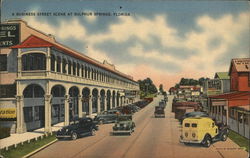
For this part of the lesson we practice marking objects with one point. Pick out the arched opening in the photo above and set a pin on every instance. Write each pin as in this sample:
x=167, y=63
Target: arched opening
x=113, y=99
x=78, y=69
x=33, y=109
x=82, y=71
x=74, y=68
x=64, y=66
x=85, y=103
x=73, y=103
x=92, y=74
x=52, y=62
x=58, y=64
x=108, y=100
x=57, y=109
x=88, y=72
x=69, y=67
x=102, y=102
x=118, y=99
x=94, y=100
x=33, y=61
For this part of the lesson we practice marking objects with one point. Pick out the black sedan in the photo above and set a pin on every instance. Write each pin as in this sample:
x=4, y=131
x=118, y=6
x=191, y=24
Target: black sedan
x=79, y=127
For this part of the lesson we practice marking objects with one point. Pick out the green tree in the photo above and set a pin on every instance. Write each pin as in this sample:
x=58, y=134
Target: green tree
x=161, y=88
x=147, y=86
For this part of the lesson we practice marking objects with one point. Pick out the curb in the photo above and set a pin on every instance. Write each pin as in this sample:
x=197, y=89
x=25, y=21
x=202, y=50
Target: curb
x=39, y=149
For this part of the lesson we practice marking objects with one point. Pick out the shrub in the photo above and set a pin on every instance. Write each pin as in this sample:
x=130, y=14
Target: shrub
x=4, y=132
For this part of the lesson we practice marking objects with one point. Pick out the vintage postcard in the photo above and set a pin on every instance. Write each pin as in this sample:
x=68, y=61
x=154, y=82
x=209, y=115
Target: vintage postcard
x=124, y=79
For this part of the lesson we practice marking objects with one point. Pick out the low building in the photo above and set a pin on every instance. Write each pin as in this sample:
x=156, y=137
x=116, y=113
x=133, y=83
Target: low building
x=43, y=82
x=233, y=107
x=218, y=85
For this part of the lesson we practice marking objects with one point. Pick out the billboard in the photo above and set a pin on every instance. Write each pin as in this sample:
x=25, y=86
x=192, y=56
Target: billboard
x=9, y=35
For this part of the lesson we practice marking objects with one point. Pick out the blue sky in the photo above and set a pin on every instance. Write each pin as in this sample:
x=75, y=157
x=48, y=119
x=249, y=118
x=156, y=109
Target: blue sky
x=163, y=40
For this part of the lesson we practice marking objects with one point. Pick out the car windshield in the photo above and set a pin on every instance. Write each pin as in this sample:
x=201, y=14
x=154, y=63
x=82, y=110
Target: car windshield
x=124, y=118
x=74, y=122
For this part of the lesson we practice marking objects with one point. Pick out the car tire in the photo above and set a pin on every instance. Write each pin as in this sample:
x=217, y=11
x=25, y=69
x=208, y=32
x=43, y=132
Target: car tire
x=100, y=122
x=130, y=132
x=224, y=137
x=186, y=143
x=74, y=136
x=93, y=132
x=59, y=138
x=207, y=141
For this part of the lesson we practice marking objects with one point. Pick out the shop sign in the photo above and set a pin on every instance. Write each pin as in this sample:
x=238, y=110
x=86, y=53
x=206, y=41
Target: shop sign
x=219, y=103
x=7, y=112
x=214, y=84
x=9, y=35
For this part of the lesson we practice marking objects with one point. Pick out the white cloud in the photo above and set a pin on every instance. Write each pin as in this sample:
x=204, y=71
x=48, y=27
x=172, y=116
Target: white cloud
x=71, y=29
x=226, y=29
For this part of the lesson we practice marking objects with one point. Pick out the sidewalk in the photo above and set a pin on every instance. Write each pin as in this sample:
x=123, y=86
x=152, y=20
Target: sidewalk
x=18, y=138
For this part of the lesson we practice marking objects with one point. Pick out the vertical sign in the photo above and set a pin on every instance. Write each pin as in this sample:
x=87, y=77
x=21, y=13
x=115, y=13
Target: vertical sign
x=9, y=35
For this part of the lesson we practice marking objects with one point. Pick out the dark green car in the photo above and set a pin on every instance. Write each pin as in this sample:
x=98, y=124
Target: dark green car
x=124, y=125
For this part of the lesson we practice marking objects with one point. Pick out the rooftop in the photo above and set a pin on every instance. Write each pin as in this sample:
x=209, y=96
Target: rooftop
x=222, y=75
x=240, y=64
x=48, y=40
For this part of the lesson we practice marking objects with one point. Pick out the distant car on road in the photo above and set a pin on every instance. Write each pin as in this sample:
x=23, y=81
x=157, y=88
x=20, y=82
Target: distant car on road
x=79, y=127
x=107, y=117
x=162, y=104
x=124, y=124
x=159, y=111
x=203, y=130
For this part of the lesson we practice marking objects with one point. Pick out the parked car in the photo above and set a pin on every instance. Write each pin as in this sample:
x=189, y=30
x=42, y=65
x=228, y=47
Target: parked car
x=193, y=114
x=77, y=128
x=159, y=111
x=114, y=111
x=124, y=124
x=106, y=117
x=203, y=130
x=162, y=104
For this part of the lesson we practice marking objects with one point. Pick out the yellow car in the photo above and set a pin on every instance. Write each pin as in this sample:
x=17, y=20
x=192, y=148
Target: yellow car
x=202, y=130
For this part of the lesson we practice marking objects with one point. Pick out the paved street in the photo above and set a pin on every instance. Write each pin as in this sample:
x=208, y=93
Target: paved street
x=153, y=138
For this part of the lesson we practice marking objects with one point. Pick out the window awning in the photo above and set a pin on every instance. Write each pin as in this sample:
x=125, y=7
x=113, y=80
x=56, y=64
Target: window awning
x=234, y=98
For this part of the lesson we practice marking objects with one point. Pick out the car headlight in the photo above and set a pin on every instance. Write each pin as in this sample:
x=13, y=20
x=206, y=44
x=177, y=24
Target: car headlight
x=193, y=134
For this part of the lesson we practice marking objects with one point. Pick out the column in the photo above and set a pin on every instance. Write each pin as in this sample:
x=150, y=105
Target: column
x=221, y=113
x=55, y=63
x=48, y=60
x=47, y=128
x=80, y=70
x=80, y=106
x=19, y=108
x=120, y=101
x=66, y=110
x=47, y=65
x=104, y=102
x=19, y=65
x=90, y=105
x=227, y=112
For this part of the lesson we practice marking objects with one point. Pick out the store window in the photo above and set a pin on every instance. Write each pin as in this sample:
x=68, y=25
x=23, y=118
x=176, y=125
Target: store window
x=33, y=61
x=36, y=116
x=28, y=114
x=7, y=91
x=3, y=62
x=33, y=91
